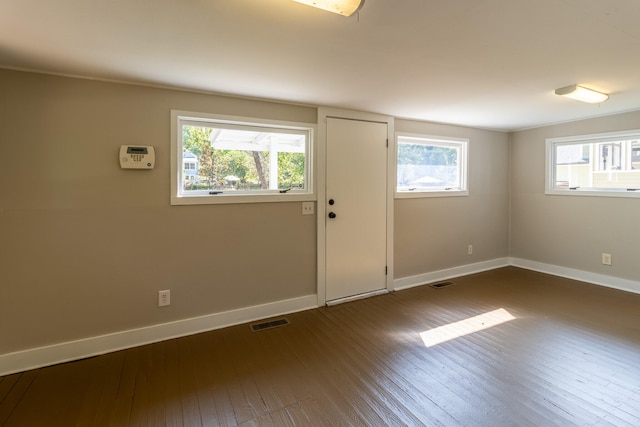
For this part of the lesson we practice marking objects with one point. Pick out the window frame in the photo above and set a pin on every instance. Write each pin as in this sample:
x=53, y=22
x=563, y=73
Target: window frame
x=205, y=197
x=595, y=156
x=463, y=166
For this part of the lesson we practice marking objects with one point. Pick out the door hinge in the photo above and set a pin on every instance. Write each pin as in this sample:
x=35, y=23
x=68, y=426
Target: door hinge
x=387, y=142
x=386, y=270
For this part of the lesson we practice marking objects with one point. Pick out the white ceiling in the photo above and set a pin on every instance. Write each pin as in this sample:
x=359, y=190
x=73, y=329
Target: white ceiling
x=483, y=63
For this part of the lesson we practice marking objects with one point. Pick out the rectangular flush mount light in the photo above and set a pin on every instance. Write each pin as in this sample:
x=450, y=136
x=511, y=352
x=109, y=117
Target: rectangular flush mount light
x=341, y=7
x=582, y=93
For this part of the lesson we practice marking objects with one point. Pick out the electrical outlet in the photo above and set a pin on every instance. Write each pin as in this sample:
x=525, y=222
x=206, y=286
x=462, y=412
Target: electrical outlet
x=470, y=250
x=307, y=208
x=606, y=259
x=164, y=298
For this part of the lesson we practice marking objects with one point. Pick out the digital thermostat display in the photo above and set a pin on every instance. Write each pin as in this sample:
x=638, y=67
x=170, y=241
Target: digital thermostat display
x=137, y=150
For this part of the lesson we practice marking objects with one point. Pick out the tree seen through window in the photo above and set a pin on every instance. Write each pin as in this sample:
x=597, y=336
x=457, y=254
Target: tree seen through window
x=231, y=158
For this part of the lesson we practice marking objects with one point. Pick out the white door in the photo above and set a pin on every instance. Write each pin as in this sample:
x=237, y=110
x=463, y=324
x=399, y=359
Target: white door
x=356, y=208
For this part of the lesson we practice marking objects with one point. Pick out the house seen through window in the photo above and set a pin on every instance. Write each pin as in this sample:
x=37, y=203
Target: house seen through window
x=604, y=163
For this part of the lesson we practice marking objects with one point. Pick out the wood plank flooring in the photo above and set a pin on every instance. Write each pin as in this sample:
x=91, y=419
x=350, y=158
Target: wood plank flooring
x=570, y=357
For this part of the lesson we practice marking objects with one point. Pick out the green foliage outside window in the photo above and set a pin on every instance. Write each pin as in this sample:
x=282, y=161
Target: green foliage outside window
x=422, y=154
x=238, y=169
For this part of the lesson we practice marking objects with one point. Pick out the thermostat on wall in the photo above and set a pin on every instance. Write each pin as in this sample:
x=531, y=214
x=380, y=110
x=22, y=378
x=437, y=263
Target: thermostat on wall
x=137, y=157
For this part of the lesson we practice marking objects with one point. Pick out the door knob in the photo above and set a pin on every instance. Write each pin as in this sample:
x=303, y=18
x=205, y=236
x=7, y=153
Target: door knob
x=332, y=215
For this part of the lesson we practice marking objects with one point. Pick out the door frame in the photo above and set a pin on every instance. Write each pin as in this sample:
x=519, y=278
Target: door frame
x=321, y=174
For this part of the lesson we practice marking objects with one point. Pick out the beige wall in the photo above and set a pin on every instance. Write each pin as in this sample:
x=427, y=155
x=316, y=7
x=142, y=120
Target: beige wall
x=432, y=234
x=571, y=231
x=85, y=246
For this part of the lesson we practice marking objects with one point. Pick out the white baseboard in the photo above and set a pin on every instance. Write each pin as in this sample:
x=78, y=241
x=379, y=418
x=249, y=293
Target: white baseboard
x=436, y=276
x=583, y=276
x=93, y=346
x=80, y=349
x=569, y=273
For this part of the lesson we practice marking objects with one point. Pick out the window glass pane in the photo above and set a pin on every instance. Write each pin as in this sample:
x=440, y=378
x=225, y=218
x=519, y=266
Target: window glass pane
x=635, y=155
x=291, y=170
x=430, y=165
x=230, y=158
x=602, y=164
x=573, y=166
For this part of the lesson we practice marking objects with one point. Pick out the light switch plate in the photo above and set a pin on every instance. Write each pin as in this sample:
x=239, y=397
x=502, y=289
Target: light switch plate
x=308, y=208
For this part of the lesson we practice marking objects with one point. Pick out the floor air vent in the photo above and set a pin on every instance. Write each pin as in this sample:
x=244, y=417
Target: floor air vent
x=441, y=285
x=268, y=325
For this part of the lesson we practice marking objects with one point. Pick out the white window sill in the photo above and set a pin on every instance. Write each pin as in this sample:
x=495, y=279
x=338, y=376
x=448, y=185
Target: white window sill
x=424, y=194
x=240, y=198
x=595, y=193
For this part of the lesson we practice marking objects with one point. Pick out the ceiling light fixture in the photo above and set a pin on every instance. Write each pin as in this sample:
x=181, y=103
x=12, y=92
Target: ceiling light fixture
x=341, y=7
x=582, y=93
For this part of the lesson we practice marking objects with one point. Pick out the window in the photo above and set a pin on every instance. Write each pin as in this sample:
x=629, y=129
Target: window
x=606, y=164
x=431, y=166
x=220, y=159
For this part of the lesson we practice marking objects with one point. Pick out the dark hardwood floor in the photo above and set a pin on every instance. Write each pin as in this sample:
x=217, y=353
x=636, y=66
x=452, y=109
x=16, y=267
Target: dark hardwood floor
x=570, y=356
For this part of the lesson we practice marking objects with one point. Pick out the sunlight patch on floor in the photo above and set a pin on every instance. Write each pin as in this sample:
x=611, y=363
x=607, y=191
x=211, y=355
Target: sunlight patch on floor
x=464, y=327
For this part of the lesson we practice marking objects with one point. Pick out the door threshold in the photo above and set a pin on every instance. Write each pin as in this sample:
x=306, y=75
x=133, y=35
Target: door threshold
x=357, y=297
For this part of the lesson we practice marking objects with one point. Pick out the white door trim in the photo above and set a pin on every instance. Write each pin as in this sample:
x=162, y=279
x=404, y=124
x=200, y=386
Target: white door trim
x=321, y=174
